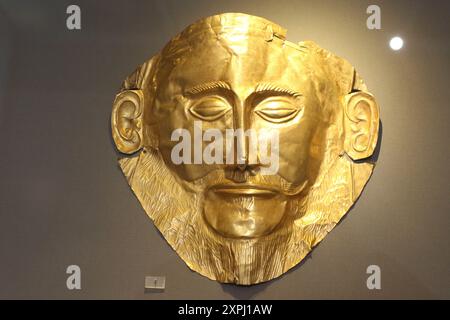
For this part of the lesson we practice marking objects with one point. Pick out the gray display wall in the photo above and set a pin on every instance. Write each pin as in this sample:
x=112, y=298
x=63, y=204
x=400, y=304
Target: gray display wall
x=64, y=201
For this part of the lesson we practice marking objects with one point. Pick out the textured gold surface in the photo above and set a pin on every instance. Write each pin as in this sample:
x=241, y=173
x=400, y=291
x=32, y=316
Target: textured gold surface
x=229, y=222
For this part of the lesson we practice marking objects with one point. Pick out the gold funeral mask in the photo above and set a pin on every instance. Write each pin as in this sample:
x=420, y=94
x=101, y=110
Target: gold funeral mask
x=237, y=211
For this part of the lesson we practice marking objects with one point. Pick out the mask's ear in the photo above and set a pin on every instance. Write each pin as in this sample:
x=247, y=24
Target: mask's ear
x=126, y=121
x=361, y=120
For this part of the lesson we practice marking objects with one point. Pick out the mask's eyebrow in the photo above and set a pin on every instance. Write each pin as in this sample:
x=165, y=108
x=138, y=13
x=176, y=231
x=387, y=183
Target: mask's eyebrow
x=270, y=87
x=209, y=86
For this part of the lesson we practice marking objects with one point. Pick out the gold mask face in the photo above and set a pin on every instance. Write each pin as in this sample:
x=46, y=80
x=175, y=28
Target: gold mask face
x=227, y=219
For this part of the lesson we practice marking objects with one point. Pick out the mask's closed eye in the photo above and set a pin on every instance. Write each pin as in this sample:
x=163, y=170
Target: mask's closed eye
x=210, y=108
x=277, y=109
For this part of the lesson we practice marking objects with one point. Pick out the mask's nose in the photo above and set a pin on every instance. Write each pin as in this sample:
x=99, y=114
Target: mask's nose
x=241, y=173
x=242, y=167
x=241, y=144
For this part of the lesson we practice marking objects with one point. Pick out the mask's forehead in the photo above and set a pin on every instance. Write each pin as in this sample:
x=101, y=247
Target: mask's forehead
x=242, y=52
x=242, y=61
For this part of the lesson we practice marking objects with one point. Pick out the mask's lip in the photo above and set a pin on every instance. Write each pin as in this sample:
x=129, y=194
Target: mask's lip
x=246, y=189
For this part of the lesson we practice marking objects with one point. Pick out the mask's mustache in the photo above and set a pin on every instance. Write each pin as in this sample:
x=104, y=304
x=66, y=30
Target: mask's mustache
x=235, y=175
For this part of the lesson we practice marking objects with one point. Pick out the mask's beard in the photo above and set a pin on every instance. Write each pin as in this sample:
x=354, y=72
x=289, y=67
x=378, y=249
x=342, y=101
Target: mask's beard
x=222, y=255
x=175, y=206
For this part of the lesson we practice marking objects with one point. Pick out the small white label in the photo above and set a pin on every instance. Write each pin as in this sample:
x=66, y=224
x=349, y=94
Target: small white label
x=153, y=282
